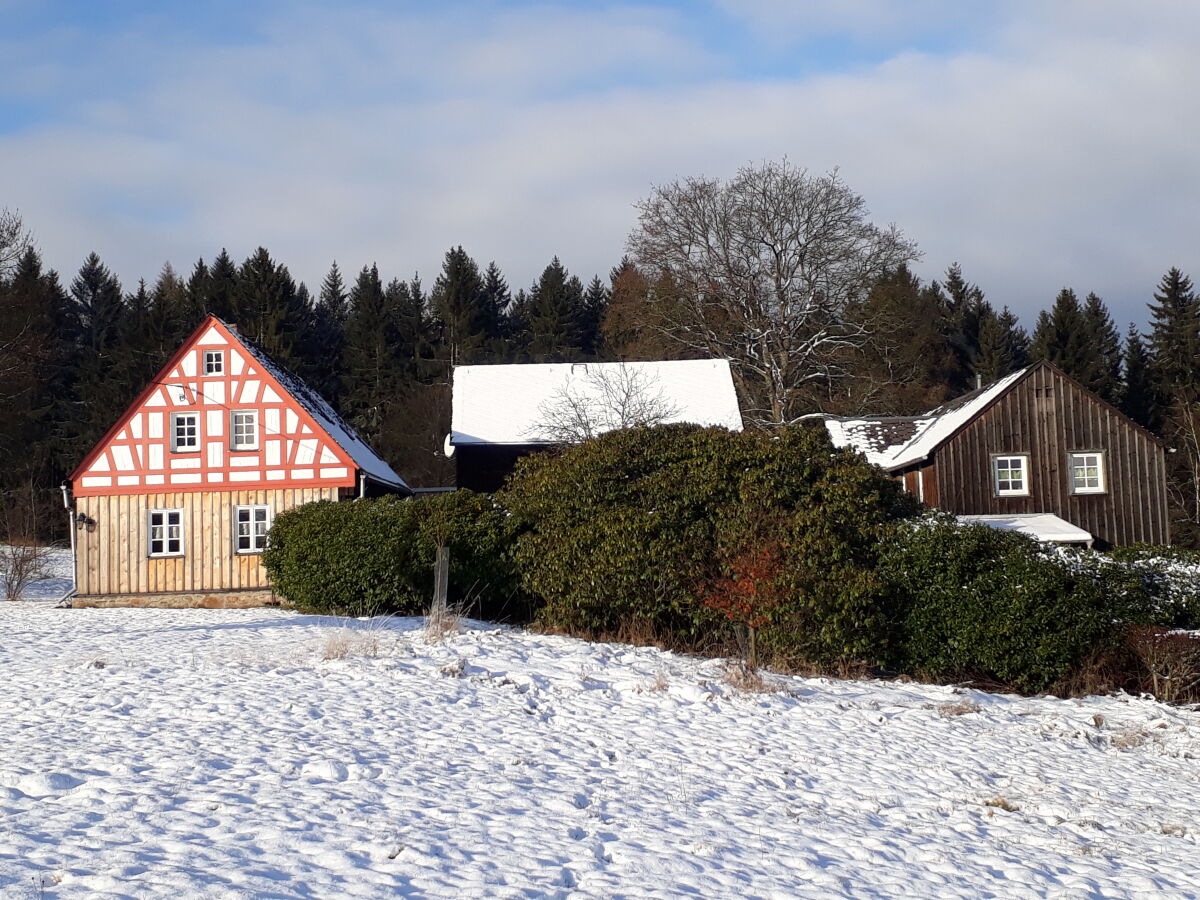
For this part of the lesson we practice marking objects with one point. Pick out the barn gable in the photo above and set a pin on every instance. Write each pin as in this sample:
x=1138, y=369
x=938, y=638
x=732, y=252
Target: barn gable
x=222, y=416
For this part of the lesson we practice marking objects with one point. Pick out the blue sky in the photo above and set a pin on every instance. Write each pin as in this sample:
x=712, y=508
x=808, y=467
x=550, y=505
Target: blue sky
x=1038, y=144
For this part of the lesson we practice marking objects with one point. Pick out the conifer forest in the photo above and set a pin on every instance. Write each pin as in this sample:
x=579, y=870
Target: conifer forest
x=77, y=347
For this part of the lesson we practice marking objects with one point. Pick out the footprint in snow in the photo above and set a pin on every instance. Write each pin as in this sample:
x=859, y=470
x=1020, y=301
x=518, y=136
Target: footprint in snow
x=47, y=784
x=325, y=770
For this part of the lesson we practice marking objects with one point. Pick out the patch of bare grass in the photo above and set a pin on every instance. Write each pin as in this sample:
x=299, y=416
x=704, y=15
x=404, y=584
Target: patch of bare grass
x=738, y=673
x=954, y=708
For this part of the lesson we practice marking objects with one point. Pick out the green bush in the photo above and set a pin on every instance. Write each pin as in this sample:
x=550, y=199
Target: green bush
x=1170, y=579
x=630, y=531
x=976, y=602
x=370, y=557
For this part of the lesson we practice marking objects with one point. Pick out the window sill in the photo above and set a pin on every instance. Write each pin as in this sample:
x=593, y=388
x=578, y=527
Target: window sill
x=165, y=556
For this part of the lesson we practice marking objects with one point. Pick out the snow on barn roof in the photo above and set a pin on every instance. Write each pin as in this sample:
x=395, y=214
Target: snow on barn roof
x=508, y=404
x=894, y=442
x=1041, y=526
x=316, y=406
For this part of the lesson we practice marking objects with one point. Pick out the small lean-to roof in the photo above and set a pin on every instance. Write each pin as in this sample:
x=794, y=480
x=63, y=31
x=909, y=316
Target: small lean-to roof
x=506, y=404
x=894, y=443
x=1041, y=526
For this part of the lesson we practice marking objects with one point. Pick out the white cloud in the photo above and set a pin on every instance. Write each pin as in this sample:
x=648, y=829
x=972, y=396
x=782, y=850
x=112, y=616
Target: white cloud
x=1060, y=153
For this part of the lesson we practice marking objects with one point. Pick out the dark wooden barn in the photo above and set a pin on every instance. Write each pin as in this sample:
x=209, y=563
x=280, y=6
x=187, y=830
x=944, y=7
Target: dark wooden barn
x=1034, y=445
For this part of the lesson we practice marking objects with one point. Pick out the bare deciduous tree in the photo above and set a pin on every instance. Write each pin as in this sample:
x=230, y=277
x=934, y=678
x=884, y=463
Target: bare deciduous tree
x=14, y=241
x=764, y=268
x=23, y=558
x=609, y=397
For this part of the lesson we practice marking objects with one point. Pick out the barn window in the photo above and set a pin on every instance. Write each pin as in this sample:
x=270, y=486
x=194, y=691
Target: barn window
x=1011, y=475
x=243, y=430
x=166, y=532
x=214, y=362
x=185, y=432
x=1087, y=473
x=250, y=526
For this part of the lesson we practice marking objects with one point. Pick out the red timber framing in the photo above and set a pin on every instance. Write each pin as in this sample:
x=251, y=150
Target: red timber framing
x=195, y=398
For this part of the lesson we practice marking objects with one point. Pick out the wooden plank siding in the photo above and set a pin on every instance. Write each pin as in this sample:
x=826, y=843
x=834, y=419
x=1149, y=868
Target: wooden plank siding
x=113, y=555
x=1048, y=416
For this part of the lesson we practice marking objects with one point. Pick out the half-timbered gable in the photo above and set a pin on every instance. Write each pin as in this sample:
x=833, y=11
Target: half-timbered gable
x=1031, y=448
x=177, y=497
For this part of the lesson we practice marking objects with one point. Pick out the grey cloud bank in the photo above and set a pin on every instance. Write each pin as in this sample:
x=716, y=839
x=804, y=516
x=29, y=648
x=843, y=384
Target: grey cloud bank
x=1054, y=147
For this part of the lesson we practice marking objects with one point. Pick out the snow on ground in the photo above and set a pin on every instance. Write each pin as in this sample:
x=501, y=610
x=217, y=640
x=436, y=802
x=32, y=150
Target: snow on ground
x=261, y=753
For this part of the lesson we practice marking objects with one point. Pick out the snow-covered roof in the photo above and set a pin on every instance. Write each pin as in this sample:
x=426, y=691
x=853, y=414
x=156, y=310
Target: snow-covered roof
x=896, y=442
x=510, y=404
x=316, y=406
x=1042, y=526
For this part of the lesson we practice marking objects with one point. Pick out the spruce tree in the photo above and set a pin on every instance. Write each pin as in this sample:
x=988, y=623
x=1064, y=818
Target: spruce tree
x=98, y=308
x=213, y=290
x=497, y=301
x=1101, y=367
x=962, y=310
x=1174, y=337
x=1137, y=389
x=329, y=336
x=554, y=313
x=1061, y=336
x=272, y=312
x=461, y=309
x=1003, y=346
x=371, y=366
x=595, y=305
x=39, y=352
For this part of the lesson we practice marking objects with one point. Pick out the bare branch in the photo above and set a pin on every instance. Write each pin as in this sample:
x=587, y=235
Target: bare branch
x=762, y=271
x=609, y=397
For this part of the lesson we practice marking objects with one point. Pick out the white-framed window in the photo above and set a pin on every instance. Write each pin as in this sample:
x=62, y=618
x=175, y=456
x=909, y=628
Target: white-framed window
x=250, y=527
x=214, y=362
x=165, y=536
x=1087, y=473
x=243, y=429
x=185, y=432
x=1010, y=475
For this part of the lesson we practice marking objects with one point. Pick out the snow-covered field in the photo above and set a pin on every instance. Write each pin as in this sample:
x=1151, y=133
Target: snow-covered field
x=213, y=753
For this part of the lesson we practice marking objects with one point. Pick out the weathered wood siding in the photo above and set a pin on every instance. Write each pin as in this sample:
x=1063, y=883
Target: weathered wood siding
x=1048, y=417
x=113, y=555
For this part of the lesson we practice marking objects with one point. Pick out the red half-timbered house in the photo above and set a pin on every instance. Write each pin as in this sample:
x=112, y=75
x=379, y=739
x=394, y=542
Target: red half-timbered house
x=173, y=505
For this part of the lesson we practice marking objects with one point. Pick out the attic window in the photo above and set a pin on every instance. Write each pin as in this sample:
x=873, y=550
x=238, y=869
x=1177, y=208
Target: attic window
x=214, y=362
x=1010, y=475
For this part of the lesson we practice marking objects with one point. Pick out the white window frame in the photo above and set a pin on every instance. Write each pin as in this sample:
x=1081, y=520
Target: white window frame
x=1008, y=458
x=164, y=526
x=176, y=447
x=251, y=532
x=217, y=356
x=1076, y=460
x=234, y=446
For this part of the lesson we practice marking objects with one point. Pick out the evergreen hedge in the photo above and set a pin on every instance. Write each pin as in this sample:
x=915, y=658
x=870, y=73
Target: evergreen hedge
x=976, y=602
x=371, y=557
x=629, y=532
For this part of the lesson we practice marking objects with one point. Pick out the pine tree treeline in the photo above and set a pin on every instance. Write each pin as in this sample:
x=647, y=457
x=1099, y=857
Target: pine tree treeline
x=73, y=355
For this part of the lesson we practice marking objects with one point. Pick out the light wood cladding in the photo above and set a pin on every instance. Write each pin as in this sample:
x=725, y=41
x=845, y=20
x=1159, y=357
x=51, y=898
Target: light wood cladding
x=113, y=554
